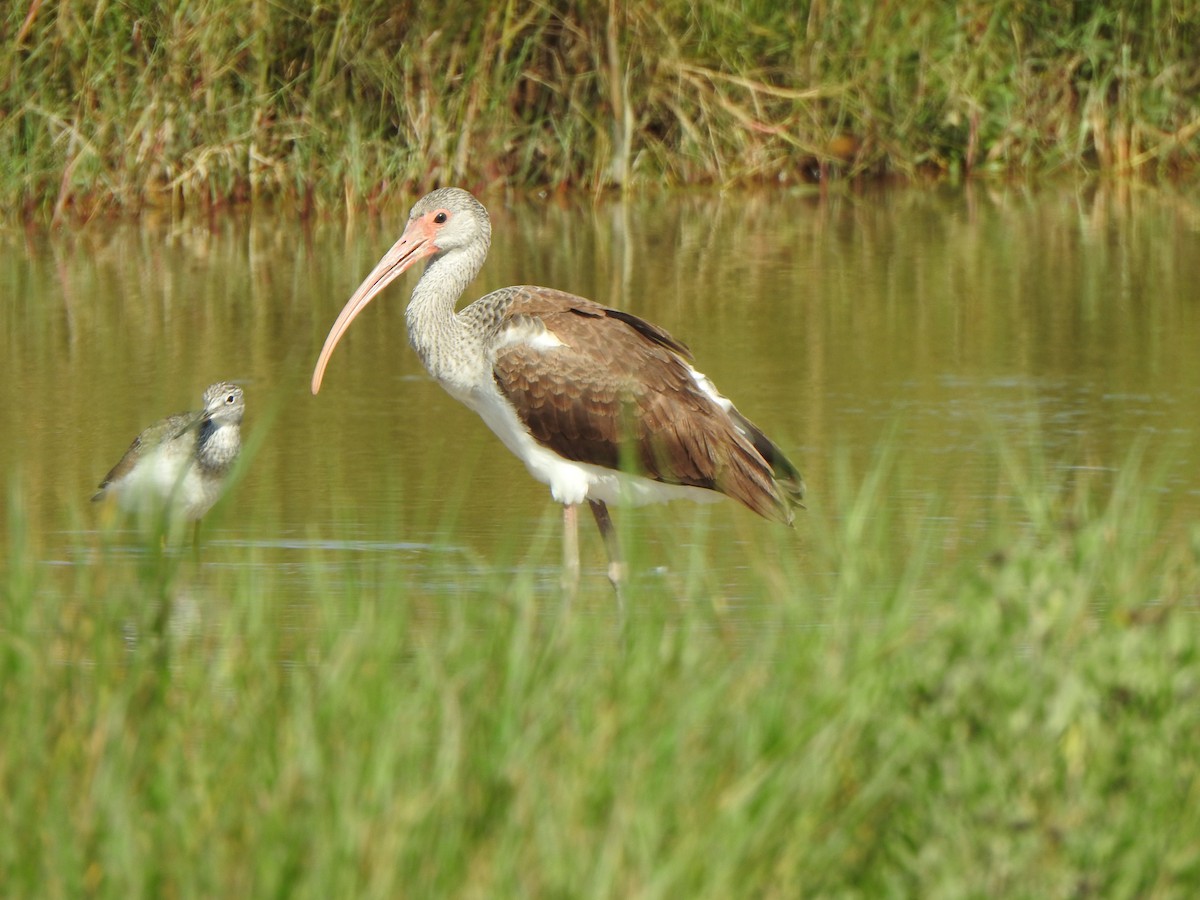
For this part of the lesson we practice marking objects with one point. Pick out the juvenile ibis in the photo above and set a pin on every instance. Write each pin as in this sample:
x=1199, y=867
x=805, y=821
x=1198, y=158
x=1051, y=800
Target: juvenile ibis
x=597, y=403
x=179, y=465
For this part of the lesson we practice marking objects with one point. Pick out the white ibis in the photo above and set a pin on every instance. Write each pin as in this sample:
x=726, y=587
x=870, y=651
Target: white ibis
x=179, y=465
x=600, y=405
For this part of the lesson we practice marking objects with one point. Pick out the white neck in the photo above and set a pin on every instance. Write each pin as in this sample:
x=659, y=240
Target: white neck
x=434, y=330
x=219, y=444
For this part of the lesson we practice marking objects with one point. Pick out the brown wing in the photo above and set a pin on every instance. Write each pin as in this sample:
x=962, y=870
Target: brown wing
x=159, y=433
x=619, y=393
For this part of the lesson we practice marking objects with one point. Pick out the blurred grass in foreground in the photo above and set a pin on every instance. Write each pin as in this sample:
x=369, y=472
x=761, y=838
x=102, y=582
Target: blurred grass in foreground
x=888, y=722
x=124, y=105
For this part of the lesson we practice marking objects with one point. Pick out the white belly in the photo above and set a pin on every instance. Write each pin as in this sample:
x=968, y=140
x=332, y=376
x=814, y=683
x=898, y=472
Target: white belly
x=163, y=480
x=570, y=482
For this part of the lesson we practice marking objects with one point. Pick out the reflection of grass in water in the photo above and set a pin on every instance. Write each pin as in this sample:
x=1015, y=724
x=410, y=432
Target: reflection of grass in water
x=1021, y=724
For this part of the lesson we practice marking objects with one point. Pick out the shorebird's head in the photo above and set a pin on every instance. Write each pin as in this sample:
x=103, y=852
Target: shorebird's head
x=224, y=403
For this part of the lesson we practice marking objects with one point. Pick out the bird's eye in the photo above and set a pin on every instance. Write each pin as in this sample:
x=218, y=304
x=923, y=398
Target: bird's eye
x=440, y=218
x=232, y=398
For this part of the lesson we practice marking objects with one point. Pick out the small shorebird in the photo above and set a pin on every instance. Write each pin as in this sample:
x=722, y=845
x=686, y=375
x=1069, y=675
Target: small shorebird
x=178, y=466
x=600, y=405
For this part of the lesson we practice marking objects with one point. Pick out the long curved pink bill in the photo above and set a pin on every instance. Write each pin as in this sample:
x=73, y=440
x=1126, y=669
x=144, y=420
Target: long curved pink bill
x=414, y=245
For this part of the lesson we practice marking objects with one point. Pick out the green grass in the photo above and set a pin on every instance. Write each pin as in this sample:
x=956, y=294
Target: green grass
x=875, y=719
x=126, y=105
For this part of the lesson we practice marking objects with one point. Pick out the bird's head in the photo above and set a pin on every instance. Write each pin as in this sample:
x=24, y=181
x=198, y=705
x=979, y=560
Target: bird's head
x=224, y=403
x=448, y=219
x=441, y=222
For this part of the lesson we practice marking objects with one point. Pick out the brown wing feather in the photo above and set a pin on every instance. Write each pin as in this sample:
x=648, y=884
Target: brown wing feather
x=619, y=394
x=164, y=430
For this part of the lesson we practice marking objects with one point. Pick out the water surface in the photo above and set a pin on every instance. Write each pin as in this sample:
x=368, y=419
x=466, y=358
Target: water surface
x=945, y=322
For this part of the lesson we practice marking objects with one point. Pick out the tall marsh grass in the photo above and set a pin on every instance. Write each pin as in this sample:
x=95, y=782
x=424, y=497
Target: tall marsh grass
x=1020, y=723
x=210, y=102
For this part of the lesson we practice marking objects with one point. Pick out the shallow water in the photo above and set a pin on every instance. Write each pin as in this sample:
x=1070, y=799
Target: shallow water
x=945, y=324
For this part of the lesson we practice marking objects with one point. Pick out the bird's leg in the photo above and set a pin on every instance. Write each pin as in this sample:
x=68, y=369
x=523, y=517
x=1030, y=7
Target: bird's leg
x=570, y=549
x=616, y=567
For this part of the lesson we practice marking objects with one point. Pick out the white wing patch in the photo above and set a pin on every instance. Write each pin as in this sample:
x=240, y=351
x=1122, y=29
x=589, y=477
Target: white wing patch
x=530, y=331
x=709, y=389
